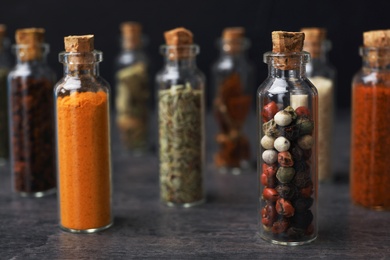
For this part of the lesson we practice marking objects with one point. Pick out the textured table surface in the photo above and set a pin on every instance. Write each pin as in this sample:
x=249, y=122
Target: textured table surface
x=224, y=227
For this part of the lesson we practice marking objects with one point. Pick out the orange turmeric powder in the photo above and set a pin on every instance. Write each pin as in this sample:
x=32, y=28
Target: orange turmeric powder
x=84, y=164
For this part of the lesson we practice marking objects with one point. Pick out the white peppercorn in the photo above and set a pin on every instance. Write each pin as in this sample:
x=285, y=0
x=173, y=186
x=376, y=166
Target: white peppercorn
x=282, y=144
x=267, y=142
x=270, y=156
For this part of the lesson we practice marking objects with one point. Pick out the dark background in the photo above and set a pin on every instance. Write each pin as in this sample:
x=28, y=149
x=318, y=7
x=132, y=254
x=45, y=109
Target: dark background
x=345, y=21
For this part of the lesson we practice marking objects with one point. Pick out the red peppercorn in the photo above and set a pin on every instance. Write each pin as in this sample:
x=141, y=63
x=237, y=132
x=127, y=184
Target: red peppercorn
x=284, y=207
x=270, y=194
x=285, y=159
x=270, y=170
x=280, y=226
x=269, y=111
x=264, y=179
x=302, y=111
x=268, y=215
x=307, y=191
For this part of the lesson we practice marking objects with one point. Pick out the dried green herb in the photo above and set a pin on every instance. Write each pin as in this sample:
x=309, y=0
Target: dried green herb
x=181, y=144
x=132, y=106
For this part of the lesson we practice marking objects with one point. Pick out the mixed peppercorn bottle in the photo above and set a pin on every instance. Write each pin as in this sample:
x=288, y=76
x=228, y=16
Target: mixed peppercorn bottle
x=322, y=74
x=132, y=90
x=232, y=81
x=287, y=157
x=369, y=176
x=31, y=106
x=181, y=108
x=83, y=139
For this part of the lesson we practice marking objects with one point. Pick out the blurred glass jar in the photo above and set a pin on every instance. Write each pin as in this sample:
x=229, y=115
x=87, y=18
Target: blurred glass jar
x=287, y=155
x=5, y=66
x=132, y=90
x=232, y=84
x=322, y=74
x=31, y=112
x=370, y=127
x=181, y=108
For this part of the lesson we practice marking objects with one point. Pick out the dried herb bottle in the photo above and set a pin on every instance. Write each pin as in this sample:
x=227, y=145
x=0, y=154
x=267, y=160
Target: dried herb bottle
x=132, y=90
x=83, y=139
x=322, y=74
x=232, y=77
x=370, y=129
x=181, y=121
x=5, y=66
x=287, y=155
x=31, y=129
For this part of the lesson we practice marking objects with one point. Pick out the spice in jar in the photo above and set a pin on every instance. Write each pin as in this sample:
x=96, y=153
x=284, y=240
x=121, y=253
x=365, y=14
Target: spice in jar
x=287, y=119
x=370, y=181
x=232, y=101
x=132, y=90
x=83, y=146
x=31, y=109
x=181, y=122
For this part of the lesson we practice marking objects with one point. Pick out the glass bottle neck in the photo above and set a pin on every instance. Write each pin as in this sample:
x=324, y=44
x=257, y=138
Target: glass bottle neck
x=298, y=72
x=375, y=58
x=81, y=69
x=287, y=65
x=187, y=63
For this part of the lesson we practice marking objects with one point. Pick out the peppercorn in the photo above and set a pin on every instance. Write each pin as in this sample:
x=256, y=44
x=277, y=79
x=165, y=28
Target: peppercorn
x=268, y=215
x=305, y=125
x=270, y=156
x=302, y=220
x=267, y=142
x=291, y=132
x=302, y=180
x=302, y=111
x=292, y=112
x=281, y=144
x=280, y=226
x=303, y=204
x=269, y=111
x=307, y=191
x=295, y=233
x=285, y=159
x=270, y=194
x=264, y=179
x=287, y=191
x=285, y=208
x=285, y=174
x=302, y=167
x=305, y=142
x=271, y=129
x=283, y=118
x=297, y=153
x=270, y=170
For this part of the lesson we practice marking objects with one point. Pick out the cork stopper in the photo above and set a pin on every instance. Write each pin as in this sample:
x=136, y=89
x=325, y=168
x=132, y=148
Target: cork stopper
x=377, y=38
x=82, y=47
x=30, y=40
x=131, y=35
x=233, y=33
x=233, y=39
x=3, y=31
x=314, y=39
x=179, y=40
x=379, y=41
x=81, y=43
x=287, y=43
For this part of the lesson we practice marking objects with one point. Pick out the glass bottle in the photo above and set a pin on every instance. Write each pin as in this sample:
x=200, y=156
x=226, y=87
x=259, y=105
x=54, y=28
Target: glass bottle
x=181, y=122
x=31, y=117
x=132, y=90
x=83, y=139
x=287, y=155
x=5, y=67
x=322, y=74
x=370, y=129
x=232, y=77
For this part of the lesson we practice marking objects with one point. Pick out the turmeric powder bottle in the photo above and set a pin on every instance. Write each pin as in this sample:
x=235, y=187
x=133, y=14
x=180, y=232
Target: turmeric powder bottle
x=31, y=116
x=232, y=82
x=83, y=139
x=287, y=139
x=181, y=121
x=369, y=172
x=132, y=90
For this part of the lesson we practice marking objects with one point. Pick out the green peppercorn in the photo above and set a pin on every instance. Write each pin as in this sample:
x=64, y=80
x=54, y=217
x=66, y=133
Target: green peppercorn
x=285, y=174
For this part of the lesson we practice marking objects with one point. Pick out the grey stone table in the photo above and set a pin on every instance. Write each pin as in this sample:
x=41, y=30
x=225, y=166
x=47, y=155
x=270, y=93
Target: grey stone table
x=223, y=228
